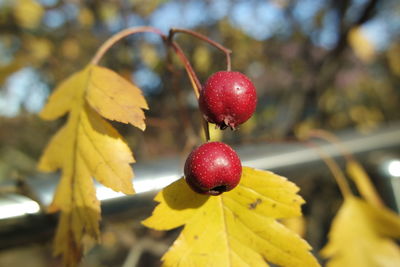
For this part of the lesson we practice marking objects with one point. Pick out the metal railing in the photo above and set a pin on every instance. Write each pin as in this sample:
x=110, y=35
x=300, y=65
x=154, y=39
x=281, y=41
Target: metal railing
x=22, y=219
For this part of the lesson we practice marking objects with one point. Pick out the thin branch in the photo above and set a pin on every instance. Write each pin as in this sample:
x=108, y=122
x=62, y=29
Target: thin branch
x=364, y=185
x=181, y=55
x=120, y=35
x=204, y=38
x=192, y=76
x=335, y=170
x=331, y=138
x=189, y=69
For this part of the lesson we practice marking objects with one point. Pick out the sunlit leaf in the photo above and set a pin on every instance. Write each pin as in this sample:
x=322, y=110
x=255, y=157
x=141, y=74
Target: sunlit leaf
x=362, y=235
x=216, y=134
x=363, y=183
x=361, y=45
x=6, y=71
x=28, y=13
x=149, y=55
x=86, y=17
x=393, y=56
x=295, y=224
x=115, y=98
x=70, y=48
x=237, y=228
x=39, y=49
x=202, y=59
x=70, y=92
x=87, y=147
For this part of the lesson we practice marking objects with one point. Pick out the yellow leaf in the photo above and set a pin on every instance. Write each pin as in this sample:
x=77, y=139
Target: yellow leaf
x=115, y=98
x=363, y=183
x=86, y=17
x=39, y=49
x=393, y=56
x=216, y=134
x=108, y=11
x=237, y=228
x=149, y=55
x=86, y=147
x=202, y=59
x=28, y=13
x=361, y=235
x=361, y=45
x=7, y=70
x=70, y=48
x=70, y=91
x=296, y=224
x=249, y=126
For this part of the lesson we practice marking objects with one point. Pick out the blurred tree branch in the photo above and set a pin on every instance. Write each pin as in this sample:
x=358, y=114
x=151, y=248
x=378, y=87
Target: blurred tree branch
x=323, y=71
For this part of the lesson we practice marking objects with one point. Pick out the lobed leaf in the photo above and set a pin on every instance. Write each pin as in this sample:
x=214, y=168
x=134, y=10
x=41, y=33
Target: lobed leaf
x=88, y=147
x=362, y=235
x=115, y=98
x=68, y=93
x=363, y=182
x=237, y=228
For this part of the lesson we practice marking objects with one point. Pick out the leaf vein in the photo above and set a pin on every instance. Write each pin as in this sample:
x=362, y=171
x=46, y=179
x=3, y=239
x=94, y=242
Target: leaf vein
x=265, y=197
x=260, y=236
x=225, y=229
x=112, y=99
x=106, y=162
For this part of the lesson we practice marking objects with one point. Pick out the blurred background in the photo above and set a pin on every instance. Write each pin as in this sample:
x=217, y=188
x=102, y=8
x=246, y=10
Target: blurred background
x=316, y=64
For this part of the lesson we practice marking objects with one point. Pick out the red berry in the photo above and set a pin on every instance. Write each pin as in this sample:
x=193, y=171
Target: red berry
x=213, y=168
x=228, y=98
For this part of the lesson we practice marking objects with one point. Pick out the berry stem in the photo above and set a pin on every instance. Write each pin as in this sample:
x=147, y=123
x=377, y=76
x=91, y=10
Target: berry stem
x=206, y=130
x=120, y=35
x=168, y=39
x=193, y=79
x=367, y=190
x=204, y=38
x=189, y=69
x=337, y=173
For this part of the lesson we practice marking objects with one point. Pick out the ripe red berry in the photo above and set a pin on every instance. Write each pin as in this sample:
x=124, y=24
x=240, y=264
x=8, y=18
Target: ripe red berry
x=228, y=98
x=213, y=168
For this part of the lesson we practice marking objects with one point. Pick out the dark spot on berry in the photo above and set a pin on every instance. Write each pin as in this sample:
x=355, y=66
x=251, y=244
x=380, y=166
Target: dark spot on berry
x=218, y=190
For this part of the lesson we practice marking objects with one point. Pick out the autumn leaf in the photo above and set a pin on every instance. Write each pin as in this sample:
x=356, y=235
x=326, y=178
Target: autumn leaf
x=237, y=228
x=7, y=70
x=363, y=182
x=362, y=235
x=28, y=13
x=88, y=147
x=361, y=45
x=115, y=98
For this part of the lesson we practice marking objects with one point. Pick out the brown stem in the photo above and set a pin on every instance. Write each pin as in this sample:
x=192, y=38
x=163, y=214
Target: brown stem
x=204, y=38
x=335, y=170
x=331, y=138
x=120, y=35
x=189, y=69
x=182, y=107
x=192, y=76
x=206, y=130
x=362, y=180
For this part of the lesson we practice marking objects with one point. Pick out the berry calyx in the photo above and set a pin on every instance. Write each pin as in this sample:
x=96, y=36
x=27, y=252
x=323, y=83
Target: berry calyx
x=228, y=99
x=213, y=168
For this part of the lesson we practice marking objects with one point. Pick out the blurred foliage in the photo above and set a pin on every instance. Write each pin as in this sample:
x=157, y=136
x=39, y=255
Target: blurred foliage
x=327, y=64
